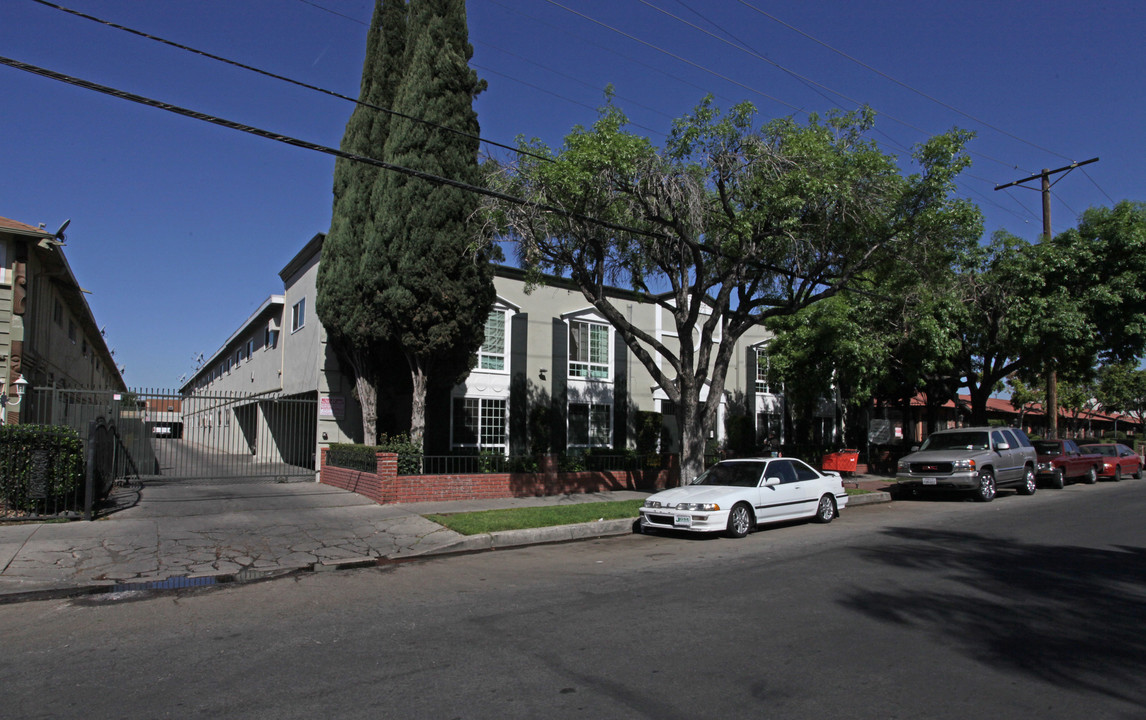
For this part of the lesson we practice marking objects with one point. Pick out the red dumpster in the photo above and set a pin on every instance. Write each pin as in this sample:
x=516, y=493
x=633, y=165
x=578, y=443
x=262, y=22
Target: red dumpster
x=843, y=461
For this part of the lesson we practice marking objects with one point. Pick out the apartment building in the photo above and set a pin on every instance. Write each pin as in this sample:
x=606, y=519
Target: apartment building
x=48, y=335
x=550, y=366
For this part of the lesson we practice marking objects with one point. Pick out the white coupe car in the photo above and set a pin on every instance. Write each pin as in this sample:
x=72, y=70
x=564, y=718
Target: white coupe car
x=734, y=496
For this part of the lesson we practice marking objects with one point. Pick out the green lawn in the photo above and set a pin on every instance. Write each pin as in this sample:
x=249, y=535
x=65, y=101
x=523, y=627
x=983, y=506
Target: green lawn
x=476, y=523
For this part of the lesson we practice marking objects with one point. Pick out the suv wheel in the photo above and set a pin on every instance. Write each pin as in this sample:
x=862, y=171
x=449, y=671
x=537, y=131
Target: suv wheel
x=986, y=490
x=1029, y=485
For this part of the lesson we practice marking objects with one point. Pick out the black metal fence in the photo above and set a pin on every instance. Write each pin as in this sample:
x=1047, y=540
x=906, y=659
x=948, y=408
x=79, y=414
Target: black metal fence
x=163, y=437
x=470, y=464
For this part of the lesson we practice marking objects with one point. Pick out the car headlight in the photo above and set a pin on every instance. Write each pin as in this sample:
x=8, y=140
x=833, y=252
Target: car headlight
x=697, y=507
x=1046, y=467
x=963, y=465
x=652, y=503
x=903, y=467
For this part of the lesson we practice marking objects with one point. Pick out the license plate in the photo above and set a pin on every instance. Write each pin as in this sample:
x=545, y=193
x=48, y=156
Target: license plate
x=682, y=521
x=930, y=481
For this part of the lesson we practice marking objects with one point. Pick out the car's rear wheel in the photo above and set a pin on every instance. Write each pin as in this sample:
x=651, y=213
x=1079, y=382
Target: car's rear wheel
x=826, y=510
x=1092, y=476
x=1058, y=480
x=740, y=520
x=1029, y=484
x=986, y=489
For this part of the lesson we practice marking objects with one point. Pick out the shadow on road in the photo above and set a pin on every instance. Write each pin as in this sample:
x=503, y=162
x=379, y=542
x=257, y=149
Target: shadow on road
x=1071, y=616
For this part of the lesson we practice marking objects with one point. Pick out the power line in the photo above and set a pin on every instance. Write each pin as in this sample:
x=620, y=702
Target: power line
x=816, y=86
x=306, y=145
x=283, y=78
x=673, y=55
x=899, y=82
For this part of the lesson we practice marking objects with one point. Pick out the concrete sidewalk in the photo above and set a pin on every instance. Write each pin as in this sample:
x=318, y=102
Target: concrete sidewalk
x=182, y=536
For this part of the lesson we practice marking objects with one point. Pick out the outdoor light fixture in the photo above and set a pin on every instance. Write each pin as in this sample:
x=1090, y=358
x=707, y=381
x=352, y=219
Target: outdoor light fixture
x=7, y=402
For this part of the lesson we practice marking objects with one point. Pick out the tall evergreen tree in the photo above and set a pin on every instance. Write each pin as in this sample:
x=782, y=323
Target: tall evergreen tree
x=342, y=282
x=430, y=295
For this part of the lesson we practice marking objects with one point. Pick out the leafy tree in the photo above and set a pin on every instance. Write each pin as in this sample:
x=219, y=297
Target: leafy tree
x=427, y=294
x=1121, y=387
x=731, y=224
x=1024, y=397
x=342, y=275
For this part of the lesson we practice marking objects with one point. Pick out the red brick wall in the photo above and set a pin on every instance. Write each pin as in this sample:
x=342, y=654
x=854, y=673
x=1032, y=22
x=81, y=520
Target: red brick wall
x=385, y=486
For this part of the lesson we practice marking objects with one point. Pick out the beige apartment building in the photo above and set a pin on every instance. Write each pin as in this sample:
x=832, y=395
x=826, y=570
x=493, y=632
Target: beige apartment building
x=544, y=349
x=48, y=335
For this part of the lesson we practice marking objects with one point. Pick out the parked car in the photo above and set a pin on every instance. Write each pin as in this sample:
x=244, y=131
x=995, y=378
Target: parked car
x=735, y=496
x=979, y=459
x=1117, y=460
x=1061, y=461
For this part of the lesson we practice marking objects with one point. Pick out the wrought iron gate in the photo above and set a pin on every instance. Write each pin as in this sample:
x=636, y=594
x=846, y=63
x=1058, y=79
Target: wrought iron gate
x=195, y=439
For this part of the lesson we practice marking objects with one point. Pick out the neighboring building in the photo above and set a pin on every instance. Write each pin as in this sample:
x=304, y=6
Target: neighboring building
x=48, y=334
x=552, y=372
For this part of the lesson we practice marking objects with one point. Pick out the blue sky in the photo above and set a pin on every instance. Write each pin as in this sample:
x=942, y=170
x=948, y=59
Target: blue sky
x=179, y=228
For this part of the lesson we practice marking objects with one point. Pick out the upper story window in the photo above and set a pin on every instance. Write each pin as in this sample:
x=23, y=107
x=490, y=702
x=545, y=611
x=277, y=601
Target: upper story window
x=763, y=366
x=58, y=312
x=270, y=337
x=588, y=350
x=491, y=355
x=72, y=331
x=298, y=315
x=250, y=348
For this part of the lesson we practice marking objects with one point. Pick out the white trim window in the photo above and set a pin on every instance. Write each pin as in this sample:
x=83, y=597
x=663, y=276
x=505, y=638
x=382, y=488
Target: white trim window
x=588, y=350
x=481, y=423
x=298, y=316
x=493, y=350
x=763, y=368
x=590, y=425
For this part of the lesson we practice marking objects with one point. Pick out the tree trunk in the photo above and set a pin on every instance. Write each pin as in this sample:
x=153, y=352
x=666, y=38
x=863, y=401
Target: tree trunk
x=418, y=402
x=692, y=441
x=368, y=401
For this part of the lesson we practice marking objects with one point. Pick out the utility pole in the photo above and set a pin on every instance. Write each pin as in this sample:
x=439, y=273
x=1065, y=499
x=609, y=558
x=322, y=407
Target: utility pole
x=1051, y=373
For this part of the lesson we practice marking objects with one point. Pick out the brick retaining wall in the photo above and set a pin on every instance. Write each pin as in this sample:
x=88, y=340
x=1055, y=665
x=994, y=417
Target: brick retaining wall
x=385, y=486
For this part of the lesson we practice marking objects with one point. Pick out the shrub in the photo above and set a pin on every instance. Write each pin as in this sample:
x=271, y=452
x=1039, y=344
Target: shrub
x=365, y=457
x=41, y=467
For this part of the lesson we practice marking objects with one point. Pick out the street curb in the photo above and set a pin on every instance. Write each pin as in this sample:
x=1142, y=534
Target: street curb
x=466, y=544
x=870, y=498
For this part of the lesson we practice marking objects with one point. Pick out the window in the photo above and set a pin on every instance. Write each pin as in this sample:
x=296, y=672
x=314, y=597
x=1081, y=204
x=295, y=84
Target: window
x=84, y=347
x=250, y=348
x=588, y=350
x=57, y=313
x=238, y=357
x=270, y=337
x=491, y=355
x=72, y=332
x=480, y=423
x=590, y=425
x=763, y=366
x=298, y=315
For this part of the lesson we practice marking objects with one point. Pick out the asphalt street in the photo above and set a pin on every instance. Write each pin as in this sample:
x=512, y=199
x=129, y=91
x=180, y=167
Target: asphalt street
x=1021, y=608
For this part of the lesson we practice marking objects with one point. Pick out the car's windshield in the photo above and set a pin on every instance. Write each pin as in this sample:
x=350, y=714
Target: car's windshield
x=1047, y=447
x=970, y=440
x=1099, y=449
x=735, y=474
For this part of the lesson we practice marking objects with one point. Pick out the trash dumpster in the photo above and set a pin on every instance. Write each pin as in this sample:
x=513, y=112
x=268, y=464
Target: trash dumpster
x=842, y=461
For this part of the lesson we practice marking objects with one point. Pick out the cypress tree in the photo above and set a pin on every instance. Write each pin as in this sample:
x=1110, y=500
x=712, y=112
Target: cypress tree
x=342, y=281
x=430, y=293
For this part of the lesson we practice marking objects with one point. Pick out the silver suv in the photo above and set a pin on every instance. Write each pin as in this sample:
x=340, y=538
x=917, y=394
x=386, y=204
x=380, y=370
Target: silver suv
x=980, y=459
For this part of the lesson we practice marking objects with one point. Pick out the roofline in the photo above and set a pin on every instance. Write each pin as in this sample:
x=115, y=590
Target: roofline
x=312, y=247
x=224, y=349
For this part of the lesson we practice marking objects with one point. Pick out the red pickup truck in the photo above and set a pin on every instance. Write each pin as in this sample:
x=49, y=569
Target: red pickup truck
x=1061, y=461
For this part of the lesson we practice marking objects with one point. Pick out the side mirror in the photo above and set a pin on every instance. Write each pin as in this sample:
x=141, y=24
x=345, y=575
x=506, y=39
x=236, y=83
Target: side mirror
x=914, y=448
x=1003, y=446
x=771, y=481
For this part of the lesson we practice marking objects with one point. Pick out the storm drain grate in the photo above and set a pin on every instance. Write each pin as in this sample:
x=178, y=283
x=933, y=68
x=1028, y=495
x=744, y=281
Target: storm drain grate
x=174, y=583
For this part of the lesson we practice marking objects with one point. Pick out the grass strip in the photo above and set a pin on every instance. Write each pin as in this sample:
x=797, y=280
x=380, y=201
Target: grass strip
x=486, y=521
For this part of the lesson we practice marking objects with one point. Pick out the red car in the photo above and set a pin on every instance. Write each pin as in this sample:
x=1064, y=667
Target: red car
x=1117, y=460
